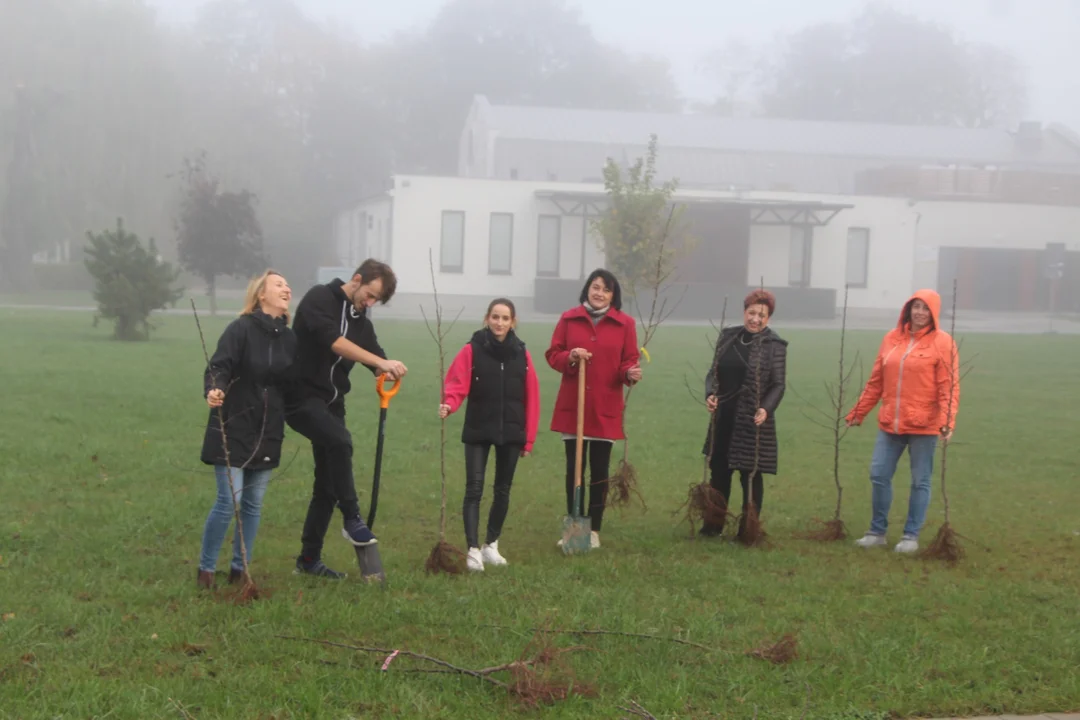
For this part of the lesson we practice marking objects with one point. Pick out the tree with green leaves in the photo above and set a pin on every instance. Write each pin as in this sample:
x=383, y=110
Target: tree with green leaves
x=637, y=235
x=131, y=281
x=217, y=231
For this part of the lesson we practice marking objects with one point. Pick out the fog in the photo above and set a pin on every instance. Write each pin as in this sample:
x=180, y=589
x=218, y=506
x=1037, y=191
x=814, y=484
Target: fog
x=280, y=115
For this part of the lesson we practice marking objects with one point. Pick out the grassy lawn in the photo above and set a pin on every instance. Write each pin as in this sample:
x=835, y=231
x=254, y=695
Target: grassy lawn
x=98, y=558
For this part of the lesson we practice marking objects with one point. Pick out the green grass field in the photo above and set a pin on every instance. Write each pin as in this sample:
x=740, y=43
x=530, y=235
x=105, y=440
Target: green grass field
x=99, y=558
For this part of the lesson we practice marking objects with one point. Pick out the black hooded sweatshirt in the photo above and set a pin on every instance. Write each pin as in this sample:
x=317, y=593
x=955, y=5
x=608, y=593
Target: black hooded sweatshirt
x=251, y=364
x=325, y=314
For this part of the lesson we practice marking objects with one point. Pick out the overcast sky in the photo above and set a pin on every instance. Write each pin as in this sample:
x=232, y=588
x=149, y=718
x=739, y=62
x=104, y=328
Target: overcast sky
x=1043, y=34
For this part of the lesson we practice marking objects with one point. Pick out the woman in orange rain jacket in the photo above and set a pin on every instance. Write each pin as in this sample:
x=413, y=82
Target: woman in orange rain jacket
x=916, y=378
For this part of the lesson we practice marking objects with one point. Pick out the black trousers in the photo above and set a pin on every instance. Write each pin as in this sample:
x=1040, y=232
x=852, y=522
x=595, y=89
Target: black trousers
x=332, y=450
x=596, y=458
x=476, y=457
x=720, y=474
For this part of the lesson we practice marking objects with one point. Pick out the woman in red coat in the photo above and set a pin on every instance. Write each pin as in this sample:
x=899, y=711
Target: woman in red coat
x=599, y=333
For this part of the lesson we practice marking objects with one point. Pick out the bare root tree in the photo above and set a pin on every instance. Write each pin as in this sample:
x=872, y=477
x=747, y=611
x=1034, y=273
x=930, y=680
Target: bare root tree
x=623, y=485
x=637, y=240
x=248, y=590
x=946, y=544
x=834, y=422
x=444, y=557
x=751, y=531
x=704, y=503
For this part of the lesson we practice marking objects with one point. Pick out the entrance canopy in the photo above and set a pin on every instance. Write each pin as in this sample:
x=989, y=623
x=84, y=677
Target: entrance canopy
x=762, y=211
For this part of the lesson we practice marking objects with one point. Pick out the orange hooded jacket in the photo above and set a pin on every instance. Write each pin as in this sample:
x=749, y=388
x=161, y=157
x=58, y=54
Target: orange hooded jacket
x=916, y=377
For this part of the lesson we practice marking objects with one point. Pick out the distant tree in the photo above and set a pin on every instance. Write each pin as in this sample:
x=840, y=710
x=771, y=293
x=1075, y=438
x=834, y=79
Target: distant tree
x=217, y=232
x=131, y=281
x=887, y=66
x=521, y=52
x=734, y=67
x=635, y=233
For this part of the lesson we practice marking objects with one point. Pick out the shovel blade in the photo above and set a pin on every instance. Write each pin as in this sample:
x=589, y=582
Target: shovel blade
x=370, y=561
x=577, y=535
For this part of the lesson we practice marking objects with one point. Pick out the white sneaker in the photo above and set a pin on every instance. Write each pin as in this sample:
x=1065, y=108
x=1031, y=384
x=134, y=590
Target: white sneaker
x=594, y=539
x=490, y=554
x=870, y=540
x=907, y=545
x=475, y=561
x=560, y=543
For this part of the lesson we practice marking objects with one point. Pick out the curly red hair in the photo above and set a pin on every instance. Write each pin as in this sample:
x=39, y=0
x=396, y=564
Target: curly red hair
x=761, y=296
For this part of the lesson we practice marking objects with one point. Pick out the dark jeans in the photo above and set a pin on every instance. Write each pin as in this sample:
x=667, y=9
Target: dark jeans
x=331, y=448
x=476, y=457
x=720, y=475
x=596, y=457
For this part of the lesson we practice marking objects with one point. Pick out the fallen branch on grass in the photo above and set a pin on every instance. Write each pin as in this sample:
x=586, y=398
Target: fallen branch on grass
x=532, y=681
x=636, y=710
x=571, y=631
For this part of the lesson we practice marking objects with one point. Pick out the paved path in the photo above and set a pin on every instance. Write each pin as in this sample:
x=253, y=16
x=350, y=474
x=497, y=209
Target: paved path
x=1046, y=716
x=876, y=320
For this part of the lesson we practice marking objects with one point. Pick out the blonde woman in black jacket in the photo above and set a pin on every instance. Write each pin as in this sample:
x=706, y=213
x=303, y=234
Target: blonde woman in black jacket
x=244, y=382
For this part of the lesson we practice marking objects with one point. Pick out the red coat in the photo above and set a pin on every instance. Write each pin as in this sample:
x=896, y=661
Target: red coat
x=613, y=343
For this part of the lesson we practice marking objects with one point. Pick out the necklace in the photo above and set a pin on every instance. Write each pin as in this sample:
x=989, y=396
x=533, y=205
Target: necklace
x=745, y=342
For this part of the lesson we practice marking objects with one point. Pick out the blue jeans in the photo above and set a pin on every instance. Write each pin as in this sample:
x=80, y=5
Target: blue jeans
x=249, y=487
x=887, y=452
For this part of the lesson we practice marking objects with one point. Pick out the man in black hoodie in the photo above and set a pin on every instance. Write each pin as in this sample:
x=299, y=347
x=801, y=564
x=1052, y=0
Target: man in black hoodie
x=333, y=333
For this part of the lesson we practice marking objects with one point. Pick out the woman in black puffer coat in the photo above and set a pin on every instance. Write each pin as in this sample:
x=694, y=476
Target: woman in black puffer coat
x=244, y=382
x=743, y=389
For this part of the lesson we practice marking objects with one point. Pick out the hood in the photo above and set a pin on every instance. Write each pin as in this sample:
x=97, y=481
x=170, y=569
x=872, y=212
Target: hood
x=932, y=300
x=337, y=289
x=271, y=325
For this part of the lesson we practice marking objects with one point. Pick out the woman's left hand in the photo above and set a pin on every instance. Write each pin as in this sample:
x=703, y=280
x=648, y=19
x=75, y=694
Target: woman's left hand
x=525, y=453
x=634, y=373
x=760, y=416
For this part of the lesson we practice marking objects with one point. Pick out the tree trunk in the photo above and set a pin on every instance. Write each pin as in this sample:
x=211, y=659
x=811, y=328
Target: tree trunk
x=211, y=292
x=16, y=269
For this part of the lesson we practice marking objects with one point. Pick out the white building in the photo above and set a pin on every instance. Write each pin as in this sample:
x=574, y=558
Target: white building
x=806, y=208
x=530, y=241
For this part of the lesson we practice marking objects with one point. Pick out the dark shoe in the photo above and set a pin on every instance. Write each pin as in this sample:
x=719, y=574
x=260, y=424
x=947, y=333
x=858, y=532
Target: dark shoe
x=205, y=579
x=316, y=568
x=235, y=575
x=358, y=533
x=711, y=531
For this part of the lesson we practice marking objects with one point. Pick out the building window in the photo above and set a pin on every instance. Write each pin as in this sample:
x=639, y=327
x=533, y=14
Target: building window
x=452, y=245
x=548, y=235
x=800, y=255
x=858, y=257
x=500, y=243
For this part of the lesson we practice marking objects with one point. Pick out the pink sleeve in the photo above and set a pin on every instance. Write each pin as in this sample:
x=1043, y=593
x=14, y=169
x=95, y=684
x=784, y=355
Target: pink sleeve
x=458, y=379
x=532, y=403
x=630, y=354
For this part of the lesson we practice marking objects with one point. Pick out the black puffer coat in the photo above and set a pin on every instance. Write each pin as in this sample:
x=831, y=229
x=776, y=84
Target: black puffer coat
x=250, y=364
x=763, y=387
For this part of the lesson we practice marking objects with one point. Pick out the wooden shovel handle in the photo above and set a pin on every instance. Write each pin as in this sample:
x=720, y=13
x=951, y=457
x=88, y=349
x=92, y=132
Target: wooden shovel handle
x=580, y=423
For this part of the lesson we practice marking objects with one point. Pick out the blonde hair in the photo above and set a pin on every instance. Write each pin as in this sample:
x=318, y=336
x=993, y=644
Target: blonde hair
x=255, y=289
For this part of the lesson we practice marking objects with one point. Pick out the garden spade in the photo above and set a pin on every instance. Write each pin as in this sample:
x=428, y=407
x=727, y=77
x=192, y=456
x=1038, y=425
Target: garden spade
x=371, y=569
x=577, y=536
